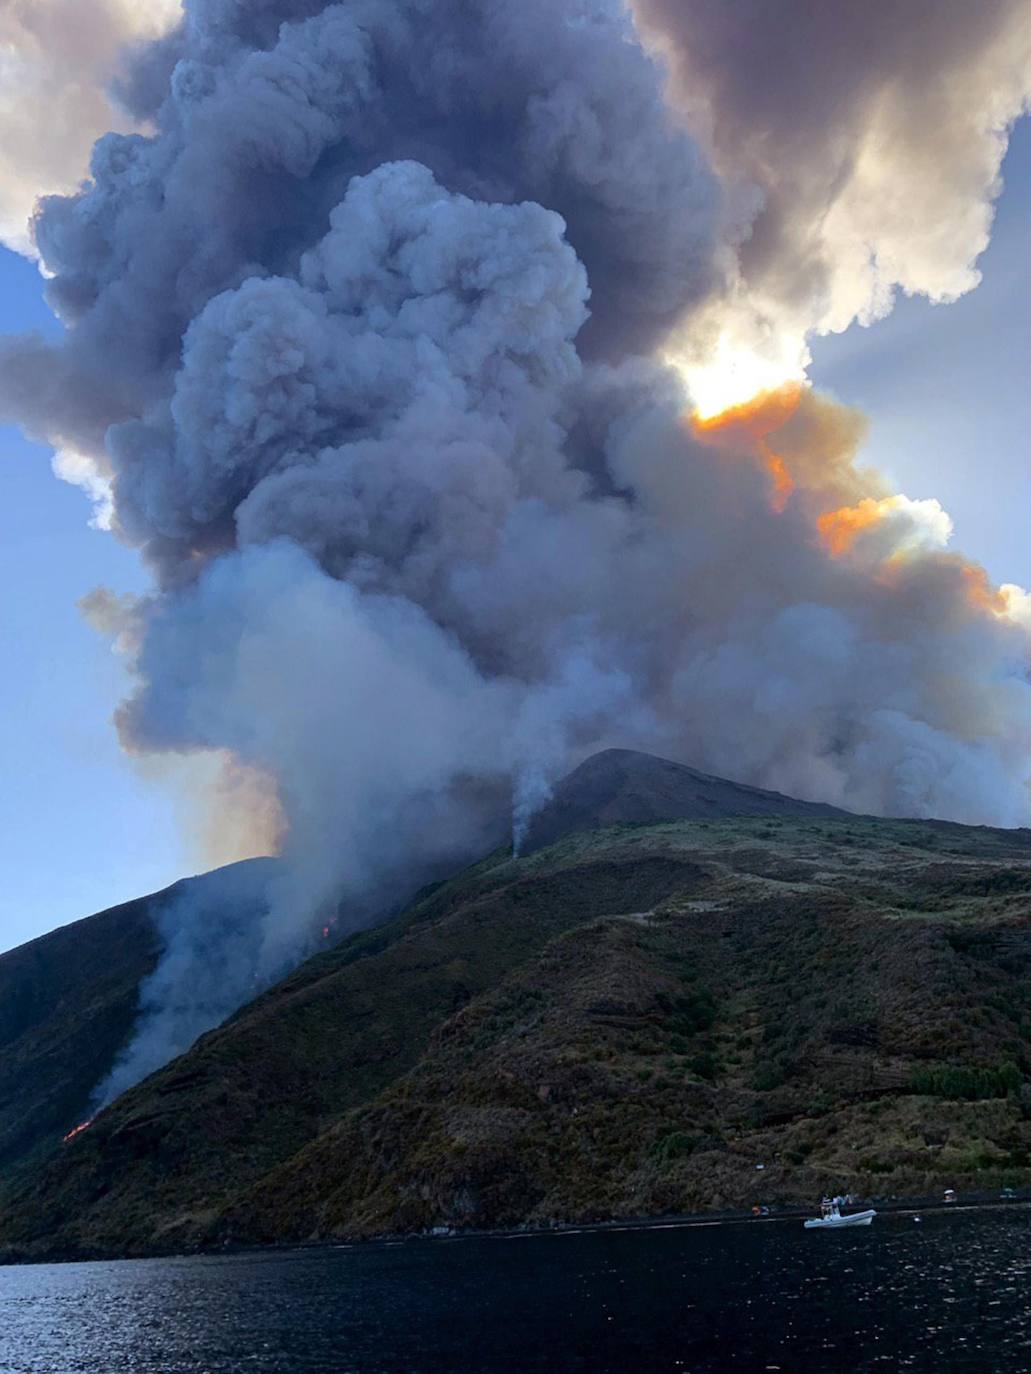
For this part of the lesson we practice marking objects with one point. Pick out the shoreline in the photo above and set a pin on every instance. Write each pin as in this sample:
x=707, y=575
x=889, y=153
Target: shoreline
x=687, y=1221
x=923, y=1205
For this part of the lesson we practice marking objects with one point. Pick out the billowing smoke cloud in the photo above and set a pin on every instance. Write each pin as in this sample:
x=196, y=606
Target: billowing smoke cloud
x=875, y=134
x=355, y=343
x=57, y=59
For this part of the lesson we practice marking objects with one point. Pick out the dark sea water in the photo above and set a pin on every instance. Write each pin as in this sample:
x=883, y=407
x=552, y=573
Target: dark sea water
x=950, y=1293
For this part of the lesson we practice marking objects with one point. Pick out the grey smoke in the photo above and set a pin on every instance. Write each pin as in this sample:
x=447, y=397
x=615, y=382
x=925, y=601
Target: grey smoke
x=875, y=134
x=355, y=339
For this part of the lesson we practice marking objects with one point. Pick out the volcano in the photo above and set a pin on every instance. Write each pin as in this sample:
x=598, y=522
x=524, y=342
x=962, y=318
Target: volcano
x=618, y=1024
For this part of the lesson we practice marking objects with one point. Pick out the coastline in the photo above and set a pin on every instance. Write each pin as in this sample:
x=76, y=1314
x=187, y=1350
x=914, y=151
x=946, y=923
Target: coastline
x=926, y=1205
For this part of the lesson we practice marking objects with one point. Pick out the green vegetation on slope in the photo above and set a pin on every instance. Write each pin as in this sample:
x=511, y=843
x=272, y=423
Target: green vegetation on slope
x=159, y=1165
x=625, y=1023
x=87, y=973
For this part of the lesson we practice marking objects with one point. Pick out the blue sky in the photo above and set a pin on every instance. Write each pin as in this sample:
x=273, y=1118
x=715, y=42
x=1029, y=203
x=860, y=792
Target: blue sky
x=948, y=392
x=946, y=389
x=79, y=829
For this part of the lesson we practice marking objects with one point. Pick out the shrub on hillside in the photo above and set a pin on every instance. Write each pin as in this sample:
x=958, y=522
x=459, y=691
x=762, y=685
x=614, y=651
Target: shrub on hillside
x=967, y=1084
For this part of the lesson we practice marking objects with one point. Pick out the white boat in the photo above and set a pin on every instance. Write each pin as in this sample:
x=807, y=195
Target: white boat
x=834, y=1219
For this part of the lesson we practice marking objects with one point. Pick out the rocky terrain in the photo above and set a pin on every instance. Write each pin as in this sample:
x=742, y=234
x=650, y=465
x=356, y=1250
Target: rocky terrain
x=626, y=1022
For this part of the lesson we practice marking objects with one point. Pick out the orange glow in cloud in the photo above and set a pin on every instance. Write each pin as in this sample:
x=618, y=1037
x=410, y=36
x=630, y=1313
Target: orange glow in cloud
x=839, y=529
x=748, y=427
x=980, y=593
x=919, y=527
x=783, y=482
x=965, y=585
x=241, y=816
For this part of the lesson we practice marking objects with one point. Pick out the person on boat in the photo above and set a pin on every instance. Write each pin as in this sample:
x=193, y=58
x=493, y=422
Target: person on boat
x=825, y=1206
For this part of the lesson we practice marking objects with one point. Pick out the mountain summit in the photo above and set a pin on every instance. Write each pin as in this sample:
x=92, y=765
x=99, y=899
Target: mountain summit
x=624, y=787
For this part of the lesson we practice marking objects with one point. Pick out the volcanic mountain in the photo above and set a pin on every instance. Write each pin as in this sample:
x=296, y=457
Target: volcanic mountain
x=624, y=787
x=68, y=1001
x=623, y=1022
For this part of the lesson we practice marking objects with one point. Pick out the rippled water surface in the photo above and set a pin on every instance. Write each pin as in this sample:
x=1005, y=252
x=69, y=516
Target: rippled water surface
x=949, y=1293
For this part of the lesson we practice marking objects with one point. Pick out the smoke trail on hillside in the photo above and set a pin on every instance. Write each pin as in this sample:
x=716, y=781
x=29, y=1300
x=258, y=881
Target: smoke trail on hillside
x=206, y=931
x=356, y=351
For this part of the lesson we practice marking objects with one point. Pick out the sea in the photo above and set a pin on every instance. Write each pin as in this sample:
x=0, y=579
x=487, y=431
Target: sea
x=948, y=1291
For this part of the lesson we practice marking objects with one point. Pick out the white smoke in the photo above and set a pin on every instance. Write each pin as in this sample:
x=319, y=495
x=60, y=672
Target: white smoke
x=57, y=59
x=205, y=927
x=875, y=135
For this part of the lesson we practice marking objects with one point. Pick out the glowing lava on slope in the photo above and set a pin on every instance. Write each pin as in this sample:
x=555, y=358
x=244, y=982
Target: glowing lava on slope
x=78, y=1130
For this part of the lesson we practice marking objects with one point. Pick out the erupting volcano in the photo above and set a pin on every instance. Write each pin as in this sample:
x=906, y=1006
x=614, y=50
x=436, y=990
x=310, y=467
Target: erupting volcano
x=375, y=338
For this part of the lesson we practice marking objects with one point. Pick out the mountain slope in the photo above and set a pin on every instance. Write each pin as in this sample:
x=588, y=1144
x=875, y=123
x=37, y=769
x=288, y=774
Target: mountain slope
x=623, y=1023
x=624, y=787
x=68, y=1003
x=160, y=1165
x=801, y=1006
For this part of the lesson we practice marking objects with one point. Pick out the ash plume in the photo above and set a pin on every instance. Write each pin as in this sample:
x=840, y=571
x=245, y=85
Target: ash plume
x=360, y=351
x=874, y=135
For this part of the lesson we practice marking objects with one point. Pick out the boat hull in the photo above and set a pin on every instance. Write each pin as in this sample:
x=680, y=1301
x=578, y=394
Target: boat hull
x=836, y=1223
